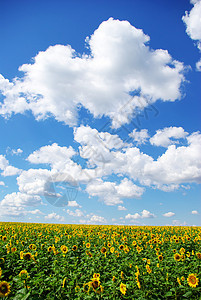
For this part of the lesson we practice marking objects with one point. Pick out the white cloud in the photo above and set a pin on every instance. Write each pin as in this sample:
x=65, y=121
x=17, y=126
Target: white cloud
x=168, y=214
x=195, y=212
x=144, y=214
x=20, y=199
x=2, y=183
x=35, y=212
x=6, y=168
x=15, y=204
x=119, y=63
x=76, y=213
x=163, y=136
x=120, y=207
x=97, y=219
x=179, y=223
x=140, y=137
x=192, y=21
x=111, y=193
x=54, y=216
x=73, y=203
x=16, y=151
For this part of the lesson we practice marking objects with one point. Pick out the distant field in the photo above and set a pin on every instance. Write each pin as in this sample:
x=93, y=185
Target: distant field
x=52, y=261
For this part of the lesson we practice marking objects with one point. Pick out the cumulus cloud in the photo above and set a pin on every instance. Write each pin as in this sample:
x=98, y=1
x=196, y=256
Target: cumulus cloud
x=15, y=204
x=7, y=169
x=144, y=214
x=76, y=213
x=175, y=167
x=97, y=219
x=140, y=137
x=112, y=193
x=2, y=183
x=194, y=212
x=163, y=137
x=120, y=207
x=55, y=217
x=168, y=214
x=73, y=203
x=120, y=63
x=192, y=21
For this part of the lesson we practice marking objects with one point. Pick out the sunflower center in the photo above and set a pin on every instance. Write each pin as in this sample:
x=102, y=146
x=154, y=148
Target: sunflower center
x=193, y=280
x=4, y=289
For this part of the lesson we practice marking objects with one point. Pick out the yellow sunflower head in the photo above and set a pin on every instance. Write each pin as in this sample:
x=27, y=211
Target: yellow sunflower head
x=4, y=288
x=27, y=256
x=123, y=288
x=192, y=280
x=74, y=248
x=177, y=257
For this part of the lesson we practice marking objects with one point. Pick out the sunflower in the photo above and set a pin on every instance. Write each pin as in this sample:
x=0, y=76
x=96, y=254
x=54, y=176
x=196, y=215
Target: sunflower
x=198, y=254
x=74, y=248
x=178, y=280
x=112, y=249
x=64, y=249
x=192, y=280
x=103, y=250
x=0, y=272
x=4, y=238
x=121, y=247
x=160, y=257
x=14, y=249
x=24, y=274
x=88, y=245
x=96, y=275
x=4, y=289
x=95, y=283
x=49, y=249
x=27, y=256
x=123, y=288
x=177, y=257
x=148, y=269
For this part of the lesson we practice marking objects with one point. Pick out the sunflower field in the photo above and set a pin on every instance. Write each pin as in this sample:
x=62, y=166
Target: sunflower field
x=54, y=261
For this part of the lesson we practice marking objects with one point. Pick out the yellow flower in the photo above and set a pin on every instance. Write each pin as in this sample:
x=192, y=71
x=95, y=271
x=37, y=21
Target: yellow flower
x=121, y=247
x=123, y=288
x=64, y=249
x=95, y=283
x=178, y=280
x=96, y=275
x=27, y=256
x=122, y=274
x=103, y=250
x=74, y=248
x=182, y=278
x=4, y=288
x=88, y=245
x=24, y=274
x=192, y=280
x=177, y=257
x=113, y=278
x=198, y=254
x=148, y=269
x=112, y=249
x=0, y=272
x=160, y=257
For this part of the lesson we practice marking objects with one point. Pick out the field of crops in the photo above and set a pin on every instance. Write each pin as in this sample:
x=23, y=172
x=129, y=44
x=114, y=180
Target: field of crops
x=51, y=261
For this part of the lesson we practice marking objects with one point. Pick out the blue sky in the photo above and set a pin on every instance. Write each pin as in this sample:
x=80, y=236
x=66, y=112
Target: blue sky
x=100, y=112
